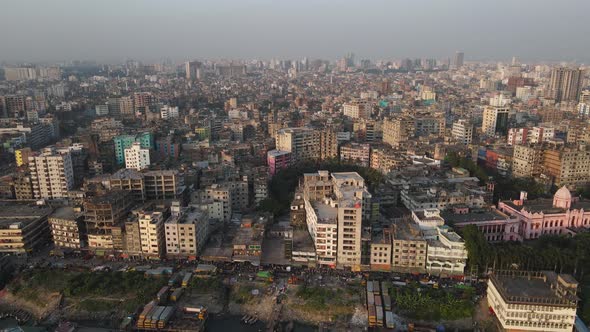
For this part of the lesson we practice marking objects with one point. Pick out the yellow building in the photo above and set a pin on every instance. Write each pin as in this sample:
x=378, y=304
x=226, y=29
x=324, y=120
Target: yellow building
x=22, y=156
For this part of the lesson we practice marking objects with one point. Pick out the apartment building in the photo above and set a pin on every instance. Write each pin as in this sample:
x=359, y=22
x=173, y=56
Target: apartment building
x=398, y=130
x=381, y=249
x=186, y=231
x=463, y=131
x=23, y=227
x=52, y=174
x=151, y=230
x=307, y=143
x=123, y=142
x=495, y=121
x=409, y=248
x=335, y=212
x=527, y=161
x=137, y=157
x=446, y=254
x=357, y=109
x=530, y=135
x=219, y=201
x=68, y=228
x=356, y=153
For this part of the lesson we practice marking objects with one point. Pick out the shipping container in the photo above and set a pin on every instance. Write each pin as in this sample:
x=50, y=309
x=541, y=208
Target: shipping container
x=370, y=299
x=370, y=287
x=386, y=302
x=372, y=316
x=163, y=294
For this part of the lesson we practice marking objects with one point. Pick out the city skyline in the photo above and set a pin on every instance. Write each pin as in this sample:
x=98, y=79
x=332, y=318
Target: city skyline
x=151, y=30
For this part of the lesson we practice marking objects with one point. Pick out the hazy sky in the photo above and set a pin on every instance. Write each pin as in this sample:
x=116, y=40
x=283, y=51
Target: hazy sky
x=53, y=30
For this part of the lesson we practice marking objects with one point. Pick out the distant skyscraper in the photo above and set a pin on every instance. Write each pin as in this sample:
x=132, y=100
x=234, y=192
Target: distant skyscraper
x=193, y=70
x=565, y=84
x=459, y=57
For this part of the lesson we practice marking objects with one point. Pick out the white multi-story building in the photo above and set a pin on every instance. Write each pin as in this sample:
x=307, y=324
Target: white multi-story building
x=186, y=231
x=495, y=121
x=463, y=131
x=137, y=157
x=151, y=232
x=533, y=301
x=446, y=254
x=218, y=200
x=334, y=216
x=533, y=135
x=169, y=112
x=52, y=174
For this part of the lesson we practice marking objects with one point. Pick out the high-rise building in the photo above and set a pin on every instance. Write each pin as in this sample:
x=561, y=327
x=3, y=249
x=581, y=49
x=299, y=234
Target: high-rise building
x=151, y=230
x=495, y=121
x=186, y=231
x=67, y=228
x=192, y=70
x=52, y=174
x=459, y=58
x=123, y=142
x=565, y=84
x=335, y=209
x=105, y=216
x=277, y=160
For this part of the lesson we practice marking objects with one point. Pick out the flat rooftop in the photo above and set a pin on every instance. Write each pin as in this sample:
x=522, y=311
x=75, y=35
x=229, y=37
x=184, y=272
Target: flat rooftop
x=531, y=287
x=64, y=212
x=12, y=213
x=545, y=205
x=474, y=216
x=325, y=212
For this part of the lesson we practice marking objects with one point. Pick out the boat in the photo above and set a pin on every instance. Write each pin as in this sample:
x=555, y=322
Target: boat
x=253, y=321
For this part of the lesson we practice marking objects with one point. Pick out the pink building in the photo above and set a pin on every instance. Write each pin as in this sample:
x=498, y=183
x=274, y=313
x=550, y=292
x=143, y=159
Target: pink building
x=545, y=216
x=277, y=160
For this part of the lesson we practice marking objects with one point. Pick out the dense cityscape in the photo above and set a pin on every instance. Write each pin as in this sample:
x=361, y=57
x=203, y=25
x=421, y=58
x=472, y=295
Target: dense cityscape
x=295, y=194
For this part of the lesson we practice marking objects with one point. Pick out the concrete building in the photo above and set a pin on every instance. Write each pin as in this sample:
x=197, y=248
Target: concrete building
x=495, y=121
x=151, y=230
x=307, y=144
x=530, y=135
x=219, y=202
x=495, y=225
x=104, y=216
x=186, y=232
x=52, y=174
x=137, y=157
x=192, y=70
x=533, y=301
x=277, y=160
x=335, y=215
x=357, y=109
x=21, y=156
x=463, y=131
x=123, y=142
x=356, y=153
x=398, y=130
x=565, y=84
x=68, y=228
x=446, y=254
x=381, y=249
x=23, y=227
x=409, y=248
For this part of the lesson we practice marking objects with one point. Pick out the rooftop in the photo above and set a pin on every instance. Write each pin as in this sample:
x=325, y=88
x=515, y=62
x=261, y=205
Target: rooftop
x=14, y=213
x=325, y=212
x=64, y=212
x=474, y=216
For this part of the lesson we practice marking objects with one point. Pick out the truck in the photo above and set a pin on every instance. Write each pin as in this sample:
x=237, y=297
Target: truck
x=173, y=281
x=379, y=312
x=165, y=317
x=386, y=302
x=186, y=279
x=163, y=294
x=389, y=322
x=175, y=296
x=200, y=312
x=370, y=299
x=378, y=302
x=145, y=313
x=376, y=287
x=372, y=316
